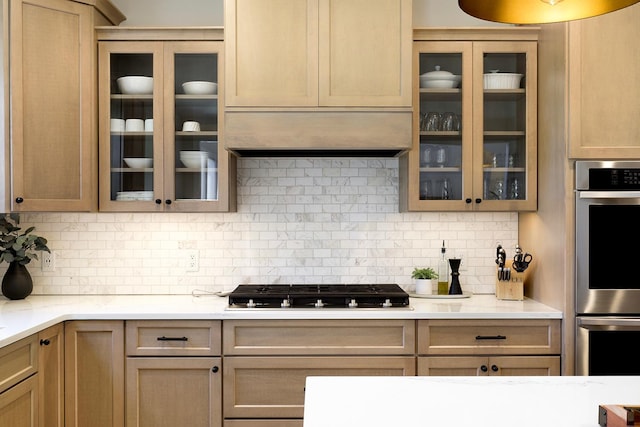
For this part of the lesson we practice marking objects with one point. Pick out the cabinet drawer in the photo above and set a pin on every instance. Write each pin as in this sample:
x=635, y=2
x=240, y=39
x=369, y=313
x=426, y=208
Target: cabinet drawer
x=319, y=337
x=477, y=337
x=273, y=387
x=173, y=338
x=18, y=361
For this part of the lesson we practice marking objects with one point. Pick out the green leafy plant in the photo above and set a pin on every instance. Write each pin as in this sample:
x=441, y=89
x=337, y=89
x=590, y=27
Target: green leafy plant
x=16, y=245
x=424, y=273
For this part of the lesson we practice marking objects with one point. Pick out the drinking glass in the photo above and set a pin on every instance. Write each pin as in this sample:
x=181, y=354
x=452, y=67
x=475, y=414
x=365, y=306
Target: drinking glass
x=450, y=122
x=433, y=121
x=441, y=156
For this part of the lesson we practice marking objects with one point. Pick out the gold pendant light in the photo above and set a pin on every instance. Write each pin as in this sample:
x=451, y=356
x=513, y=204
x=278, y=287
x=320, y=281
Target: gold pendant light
x=540, y=11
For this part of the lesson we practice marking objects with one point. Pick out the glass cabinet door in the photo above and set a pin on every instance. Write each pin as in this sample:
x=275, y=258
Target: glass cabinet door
x=159, y=138
x=505, y=100
x=474, y=142
x=444, y=125
x=193, y=154
x=131, y=149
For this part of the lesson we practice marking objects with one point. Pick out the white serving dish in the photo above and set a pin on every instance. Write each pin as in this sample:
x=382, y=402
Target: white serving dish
x=200, y=88
x=135, y=85
x=138, y=162
x=443, y=84
x=194, y=159
x=495, y=80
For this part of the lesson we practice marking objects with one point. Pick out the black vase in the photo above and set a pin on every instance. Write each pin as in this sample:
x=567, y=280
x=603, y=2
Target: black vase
x=17, y=283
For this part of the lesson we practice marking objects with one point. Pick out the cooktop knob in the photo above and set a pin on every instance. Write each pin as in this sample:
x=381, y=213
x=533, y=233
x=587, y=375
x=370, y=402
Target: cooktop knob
x=319, y=304
x=387, y=303
x=353, y=304
x=285, y=303
x=251, y=304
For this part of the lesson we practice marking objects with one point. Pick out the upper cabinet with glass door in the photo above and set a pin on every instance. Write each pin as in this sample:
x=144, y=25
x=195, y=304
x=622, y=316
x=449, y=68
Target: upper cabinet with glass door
x=474, y=122
x=160, y=112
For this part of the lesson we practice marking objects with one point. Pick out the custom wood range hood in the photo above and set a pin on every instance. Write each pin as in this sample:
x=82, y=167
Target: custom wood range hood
x=348, y=133
x=318, y=77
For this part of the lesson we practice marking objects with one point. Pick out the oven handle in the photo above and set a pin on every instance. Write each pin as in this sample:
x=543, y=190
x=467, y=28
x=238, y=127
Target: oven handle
x=608, y=323
x=609, y=194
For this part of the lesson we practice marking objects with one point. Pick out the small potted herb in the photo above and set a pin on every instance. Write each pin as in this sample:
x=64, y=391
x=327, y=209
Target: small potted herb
x=425, y=280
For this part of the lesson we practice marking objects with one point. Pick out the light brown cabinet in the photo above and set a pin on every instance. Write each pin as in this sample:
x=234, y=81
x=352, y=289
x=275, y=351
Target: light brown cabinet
x=310, y=74
x=19, y=383
x=53, y=119
x=51, y=376
x=474, y=143
x=310, y=53
x=603, y=106
x=489, y=347
x=94, y=373
x=173, y=373
x=267, y=362
x=186, y=170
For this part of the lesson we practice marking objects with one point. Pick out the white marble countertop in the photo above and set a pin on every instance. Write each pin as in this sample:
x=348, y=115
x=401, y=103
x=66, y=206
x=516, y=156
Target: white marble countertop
x=19, y=319
x=464, y=401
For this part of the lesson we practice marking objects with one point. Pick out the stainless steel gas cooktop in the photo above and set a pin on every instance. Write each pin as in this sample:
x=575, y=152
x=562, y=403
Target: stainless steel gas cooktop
x=319, y=296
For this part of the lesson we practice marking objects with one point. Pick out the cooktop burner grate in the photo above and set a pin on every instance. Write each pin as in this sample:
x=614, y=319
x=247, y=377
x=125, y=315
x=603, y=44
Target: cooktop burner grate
x=318, y=296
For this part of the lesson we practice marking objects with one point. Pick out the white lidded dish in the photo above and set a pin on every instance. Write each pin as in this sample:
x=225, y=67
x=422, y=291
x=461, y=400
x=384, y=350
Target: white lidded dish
x=439, y=79
x=496, y=80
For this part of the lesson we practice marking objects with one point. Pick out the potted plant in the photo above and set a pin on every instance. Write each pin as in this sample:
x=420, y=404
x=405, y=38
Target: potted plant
x=424, y=278
x=18, y=248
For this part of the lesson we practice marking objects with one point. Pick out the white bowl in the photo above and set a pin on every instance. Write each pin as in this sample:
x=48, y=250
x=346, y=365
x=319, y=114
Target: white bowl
x=200, y=88
x=135, y=85
x=502, y=80
x=194, y=162
x=138, y=162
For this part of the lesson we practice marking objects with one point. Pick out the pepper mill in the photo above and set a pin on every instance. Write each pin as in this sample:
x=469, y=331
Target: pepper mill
x=455, y=288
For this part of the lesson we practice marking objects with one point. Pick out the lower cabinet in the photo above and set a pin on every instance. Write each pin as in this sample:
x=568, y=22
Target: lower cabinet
x=19, y=404
x=266, y=362
x=19, y=383
x=507, y=347
x=51, y=376
x=94, y=373
x=173, y=373
x=489, y=366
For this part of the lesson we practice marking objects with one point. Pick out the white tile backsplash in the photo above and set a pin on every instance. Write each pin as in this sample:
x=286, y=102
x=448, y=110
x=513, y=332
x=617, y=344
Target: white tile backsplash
x=314, y=220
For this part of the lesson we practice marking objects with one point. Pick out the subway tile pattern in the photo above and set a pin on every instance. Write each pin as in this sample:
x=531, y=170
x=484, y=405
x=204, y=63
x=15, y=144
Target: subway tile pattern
x=299, y=220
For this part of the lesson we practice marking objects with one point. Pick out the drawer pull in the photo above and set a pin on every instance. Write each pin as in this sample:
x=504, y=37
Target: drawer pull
x=215, y=369
x=491, y=337
x=173, y=339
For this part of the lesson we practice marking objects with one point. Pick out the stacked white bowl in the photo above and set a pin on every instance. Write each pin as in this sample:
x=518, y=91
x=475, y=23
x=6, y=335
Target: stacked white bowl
x=194, y=159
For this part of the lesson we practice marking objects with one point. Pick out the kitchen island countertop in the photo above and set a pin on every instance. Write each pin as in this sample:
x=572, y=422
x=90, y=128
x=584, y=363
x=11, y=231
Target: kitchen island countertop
x=566, y=401
x=19, y=319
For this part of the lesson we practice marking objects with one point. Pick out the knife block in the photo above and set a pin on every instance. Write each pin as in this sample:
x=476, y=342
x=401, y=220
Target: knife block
x=512, y=289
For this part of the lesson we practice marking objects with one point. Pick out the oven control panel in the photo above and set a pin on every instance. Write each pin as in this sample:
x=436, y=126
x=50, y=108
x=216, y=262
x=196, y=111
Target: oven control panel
x=608, y=175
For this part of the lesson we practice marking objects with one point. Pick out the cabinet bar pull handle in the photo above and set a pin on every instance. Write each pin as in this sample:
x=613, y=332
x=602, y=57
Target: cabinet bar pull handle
x=491, y=337
x=173, y=339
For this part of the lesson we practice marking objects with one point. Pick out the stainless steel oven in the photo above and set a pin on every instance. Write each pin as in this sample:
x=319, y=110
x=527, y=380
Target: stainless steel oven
x=607, y=286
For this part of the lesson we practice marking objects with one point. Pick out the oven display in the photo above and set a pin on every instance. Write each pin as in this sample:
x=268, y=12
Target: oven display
x=614, y=179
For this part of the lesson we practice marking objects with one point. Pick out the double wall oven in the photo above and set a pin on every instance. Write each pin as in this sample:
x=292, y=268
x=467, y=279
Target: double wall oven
x=607, y=267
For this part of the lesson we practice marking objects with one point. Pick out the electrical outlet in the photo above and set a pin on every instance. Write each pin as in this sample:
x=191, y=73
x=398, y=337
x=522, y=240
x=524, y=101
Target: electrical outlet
x=48, y=261
x=193, y=260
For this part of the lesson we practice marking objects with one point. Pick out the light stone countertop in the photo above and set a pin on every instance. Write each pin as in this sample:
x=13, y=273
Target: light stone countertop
x=19, y=319
x=565, y=401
